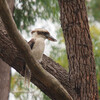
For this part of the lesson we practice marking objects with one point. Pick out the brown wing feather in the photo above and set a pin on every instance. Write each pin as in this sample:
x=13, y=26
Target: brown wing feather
x=31, y=43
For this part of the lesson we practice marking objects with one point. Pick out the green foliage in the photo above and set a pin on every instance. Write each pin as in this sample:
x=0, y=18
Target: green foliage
x=22, y=91
x=95, y=6
x=45, y=97
x=58, y=52
x=59, y=55
x=28, y=11
x=95, y=34
x=94, y=9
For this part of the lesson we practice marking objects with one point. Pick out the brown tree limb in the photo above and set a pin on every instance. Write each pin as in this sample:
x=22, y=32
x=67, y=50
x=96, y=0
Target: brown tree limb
x=5, y=70
x=55, y=89
x=10, y=54
x=4, y=80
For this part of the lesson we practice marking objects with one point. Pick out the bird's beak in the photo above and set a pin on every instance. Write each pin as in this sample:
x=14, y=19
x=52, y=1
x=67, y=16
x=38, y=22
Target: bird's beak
x=49, y=37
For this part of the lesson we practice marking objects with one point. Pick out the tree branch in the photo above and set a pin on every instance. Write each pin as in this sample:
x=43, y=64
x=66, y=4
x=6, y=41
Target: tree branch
x=56, y=90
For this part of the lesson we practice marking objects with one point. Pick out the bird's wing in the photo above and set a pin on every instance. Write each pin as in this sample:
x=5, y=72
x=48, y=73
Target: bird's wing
x=31, y=43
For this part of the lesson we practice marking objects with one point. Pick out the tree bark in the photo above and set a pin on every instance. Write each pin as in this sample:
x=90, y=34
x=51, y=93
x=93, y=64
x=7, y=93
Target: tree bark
x=80, y=82
x=82, y=70
x=5, y=68
x=49, y=81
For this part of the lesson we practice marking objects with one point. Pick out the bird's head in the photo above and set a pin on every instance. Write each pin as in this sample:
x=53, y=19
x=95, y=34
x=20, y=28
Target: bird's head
x=42, y=33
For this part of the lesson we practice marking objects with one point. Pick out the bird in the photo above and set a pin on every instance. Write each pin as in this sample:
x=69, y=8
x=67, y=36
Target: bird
x=37, y=45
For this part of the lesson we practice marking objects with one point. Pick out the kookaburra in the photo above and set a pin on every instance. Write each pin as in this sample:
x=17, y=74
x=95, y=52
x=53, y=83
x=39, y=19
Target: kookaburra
x=37, y=44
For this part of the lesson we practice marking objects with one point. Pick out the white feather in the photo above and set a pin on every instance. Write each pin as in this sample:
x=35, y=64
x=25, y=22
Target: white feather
x=38, y=48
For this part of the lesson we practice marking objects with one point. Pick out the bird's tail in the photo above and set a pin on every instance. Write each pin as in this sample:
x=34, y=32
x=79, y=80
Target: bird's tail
x=27, y=75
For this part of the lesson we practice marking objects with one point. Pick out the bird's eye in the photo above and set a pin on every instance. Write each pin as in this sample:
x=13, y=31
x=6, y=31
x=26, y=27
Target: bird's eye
x=33, y=32
x=40, y=33
x=46, y=35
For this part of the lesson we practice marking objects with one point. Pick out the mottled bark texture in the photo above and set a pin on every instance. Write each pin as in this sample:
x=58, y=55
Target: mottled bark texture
x=4, y=68
x=82, y=70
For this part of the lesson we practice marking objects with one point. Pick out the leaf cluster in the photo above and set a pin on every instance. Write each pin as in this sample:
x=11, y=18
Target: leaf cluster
x=93, y=7
x=27, y=12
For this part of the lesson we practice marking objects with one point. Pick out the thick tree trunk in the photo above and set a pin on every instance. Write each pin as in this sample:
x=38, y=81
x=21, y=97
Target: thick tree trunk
x=82, y=69
x=5, y=68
